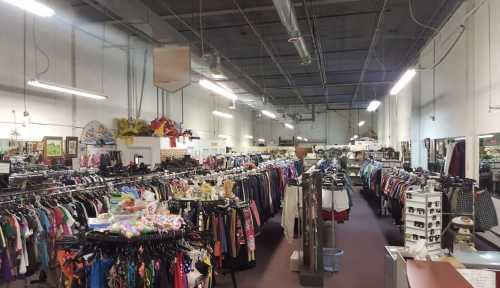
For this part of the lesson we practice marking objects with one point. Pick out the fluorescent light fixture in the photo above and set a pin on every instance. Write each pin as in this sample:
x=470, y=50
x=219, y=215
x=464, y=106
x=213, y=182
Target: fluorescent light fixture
x=261, y=140
x=373, y=106
x=248, y=136
x=299, y=138
x=486, y=136
x=65, y=90
x=32, y=6
x=224, y=92
x=305, y=139
x=223, y=136
x=268, y=114
x=289, y=126
x=218, y=76
x=459, y=138
x=405, y=79
x=222, y=114
x=355, y=137
x=361, y=123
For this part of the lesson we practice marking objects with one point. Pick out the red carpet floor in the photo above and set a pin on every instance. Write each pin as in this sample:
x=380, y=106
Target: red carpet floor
x=362, y=266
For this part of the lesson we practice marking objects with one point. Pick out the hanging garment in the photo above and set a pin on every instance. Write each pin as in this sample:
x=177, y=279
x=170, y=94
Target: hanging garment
x=485, y=213
x=457, y=163
x=447, y=161
x=293, y=198
x=341, y=200
x=462, y=200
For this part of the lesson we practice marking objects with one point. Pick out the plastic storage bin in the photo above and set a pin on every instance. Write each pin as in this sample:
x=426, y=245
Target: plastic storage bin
x=331, y=259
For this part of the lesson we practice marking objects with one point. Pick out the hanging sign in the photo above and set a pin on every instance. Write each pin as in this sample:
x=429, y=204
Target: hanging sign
x=4, y=167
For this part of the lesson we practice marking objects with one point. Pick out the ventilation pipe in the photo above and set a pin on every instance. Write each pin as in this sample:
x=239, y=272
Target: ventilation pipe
x=286, y=11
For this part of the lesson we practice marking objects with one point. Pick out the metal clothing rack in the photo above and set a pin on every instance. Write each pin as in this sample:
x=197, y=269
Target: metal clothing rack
x=312, y=226
x=68, y=189
x=113, y=238
x=13, y=197
x=241, y=171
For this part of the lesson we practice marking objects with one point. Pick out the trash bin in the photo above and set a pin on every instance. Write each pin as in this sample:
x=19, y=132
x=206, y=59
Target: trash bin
x=331, y=259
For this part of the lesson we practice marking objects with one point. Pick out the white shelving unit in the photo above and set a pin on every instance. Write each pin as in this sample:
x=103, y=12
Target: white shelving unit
x=423, y=218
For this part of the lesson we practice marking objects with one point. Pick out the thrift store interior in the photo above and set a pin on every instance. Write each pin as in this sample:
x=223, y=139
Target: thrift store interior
x=249, y=143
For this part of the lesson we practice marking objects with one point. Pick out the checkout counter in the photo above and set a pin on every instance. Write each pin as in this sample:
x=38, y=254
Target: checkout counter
x=400, y=269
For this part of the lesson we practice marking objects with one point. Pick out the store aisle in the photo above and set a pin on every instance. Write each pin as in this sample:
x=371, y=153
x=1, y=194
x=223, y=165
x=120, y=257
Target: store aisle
x=362, y=238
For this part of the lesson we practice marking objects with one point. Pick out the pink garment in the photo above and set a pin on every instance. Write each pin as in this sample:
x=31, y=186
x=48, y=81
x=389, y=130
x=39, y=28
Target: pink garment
x=255, y=212
x=249, y=231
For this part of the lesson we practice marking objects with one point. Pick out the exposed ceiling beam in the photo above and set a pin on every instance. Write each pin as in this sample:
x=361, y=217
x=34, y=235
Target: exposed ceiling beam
x=373, y=44
x=275, y=22
x=335, y=85
x=295, y=54
x=320, y=100
x=277, y=98
x=269, y=51
x=421, y=34
x=125, y=13
x=253, y=9
x=309, y=74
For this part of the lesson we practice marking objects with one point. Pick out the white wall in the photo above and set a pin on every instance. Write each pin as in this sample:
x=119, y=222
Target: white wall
x=332, y=127
x=101, y=67
x=465, y=82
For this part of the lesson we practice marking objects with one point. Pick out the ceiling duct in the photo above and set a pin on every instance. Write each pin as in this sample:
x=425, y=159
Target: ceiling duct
x=286, y=12
x=215, y=65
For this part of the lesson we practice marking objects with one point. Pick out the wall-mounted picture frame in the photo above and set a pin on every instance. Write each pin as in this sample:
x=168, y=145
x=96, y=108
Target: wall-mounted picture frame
x=71, y=147
x=53, y=147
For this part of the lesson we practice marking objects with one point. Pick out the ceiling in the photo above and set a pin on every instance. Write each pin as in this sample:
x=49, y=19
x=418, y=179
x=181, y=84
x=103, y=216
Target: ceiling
x=355, y=74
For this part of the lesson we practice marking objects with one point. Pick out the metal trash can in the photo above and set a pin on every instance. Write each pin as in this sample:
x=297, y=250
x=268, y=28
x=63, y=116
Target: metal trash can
x=331, y=259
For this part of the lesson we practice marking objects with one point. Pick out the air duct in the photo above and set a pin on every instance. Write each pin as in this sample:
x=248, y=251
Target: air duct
x=286, y=12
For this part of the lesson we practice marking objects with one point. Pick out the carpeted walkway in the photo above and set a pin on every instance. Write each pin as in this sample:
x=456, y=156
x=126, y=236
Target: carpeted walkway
x=362, y=238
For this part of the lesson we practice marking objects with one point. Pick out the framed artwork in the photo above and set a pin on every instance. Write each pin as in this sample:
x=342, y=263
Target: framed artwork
x=53, y=147
x=71, y=147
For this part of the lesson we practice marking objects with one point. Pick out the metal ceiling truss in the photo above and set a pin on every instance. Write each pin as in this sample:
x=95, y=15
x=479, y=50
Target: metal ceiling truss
x=270, y=52
x=253, y=9
x=346, y=67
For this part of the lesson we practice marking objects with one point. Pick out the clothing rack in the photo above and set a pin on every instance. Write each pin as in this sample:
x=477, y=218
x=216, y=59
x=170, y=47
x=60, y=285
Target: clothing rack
x=240, y=171
x=100, y=237
x=47, y=174
x=68, y=189
x=208, y=203
x=48, y=191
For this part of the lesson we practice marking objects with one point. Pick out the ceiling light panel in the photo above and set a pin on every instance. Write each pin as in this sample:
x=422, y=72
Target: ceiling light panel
x=33, y=7
x=65, y=90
